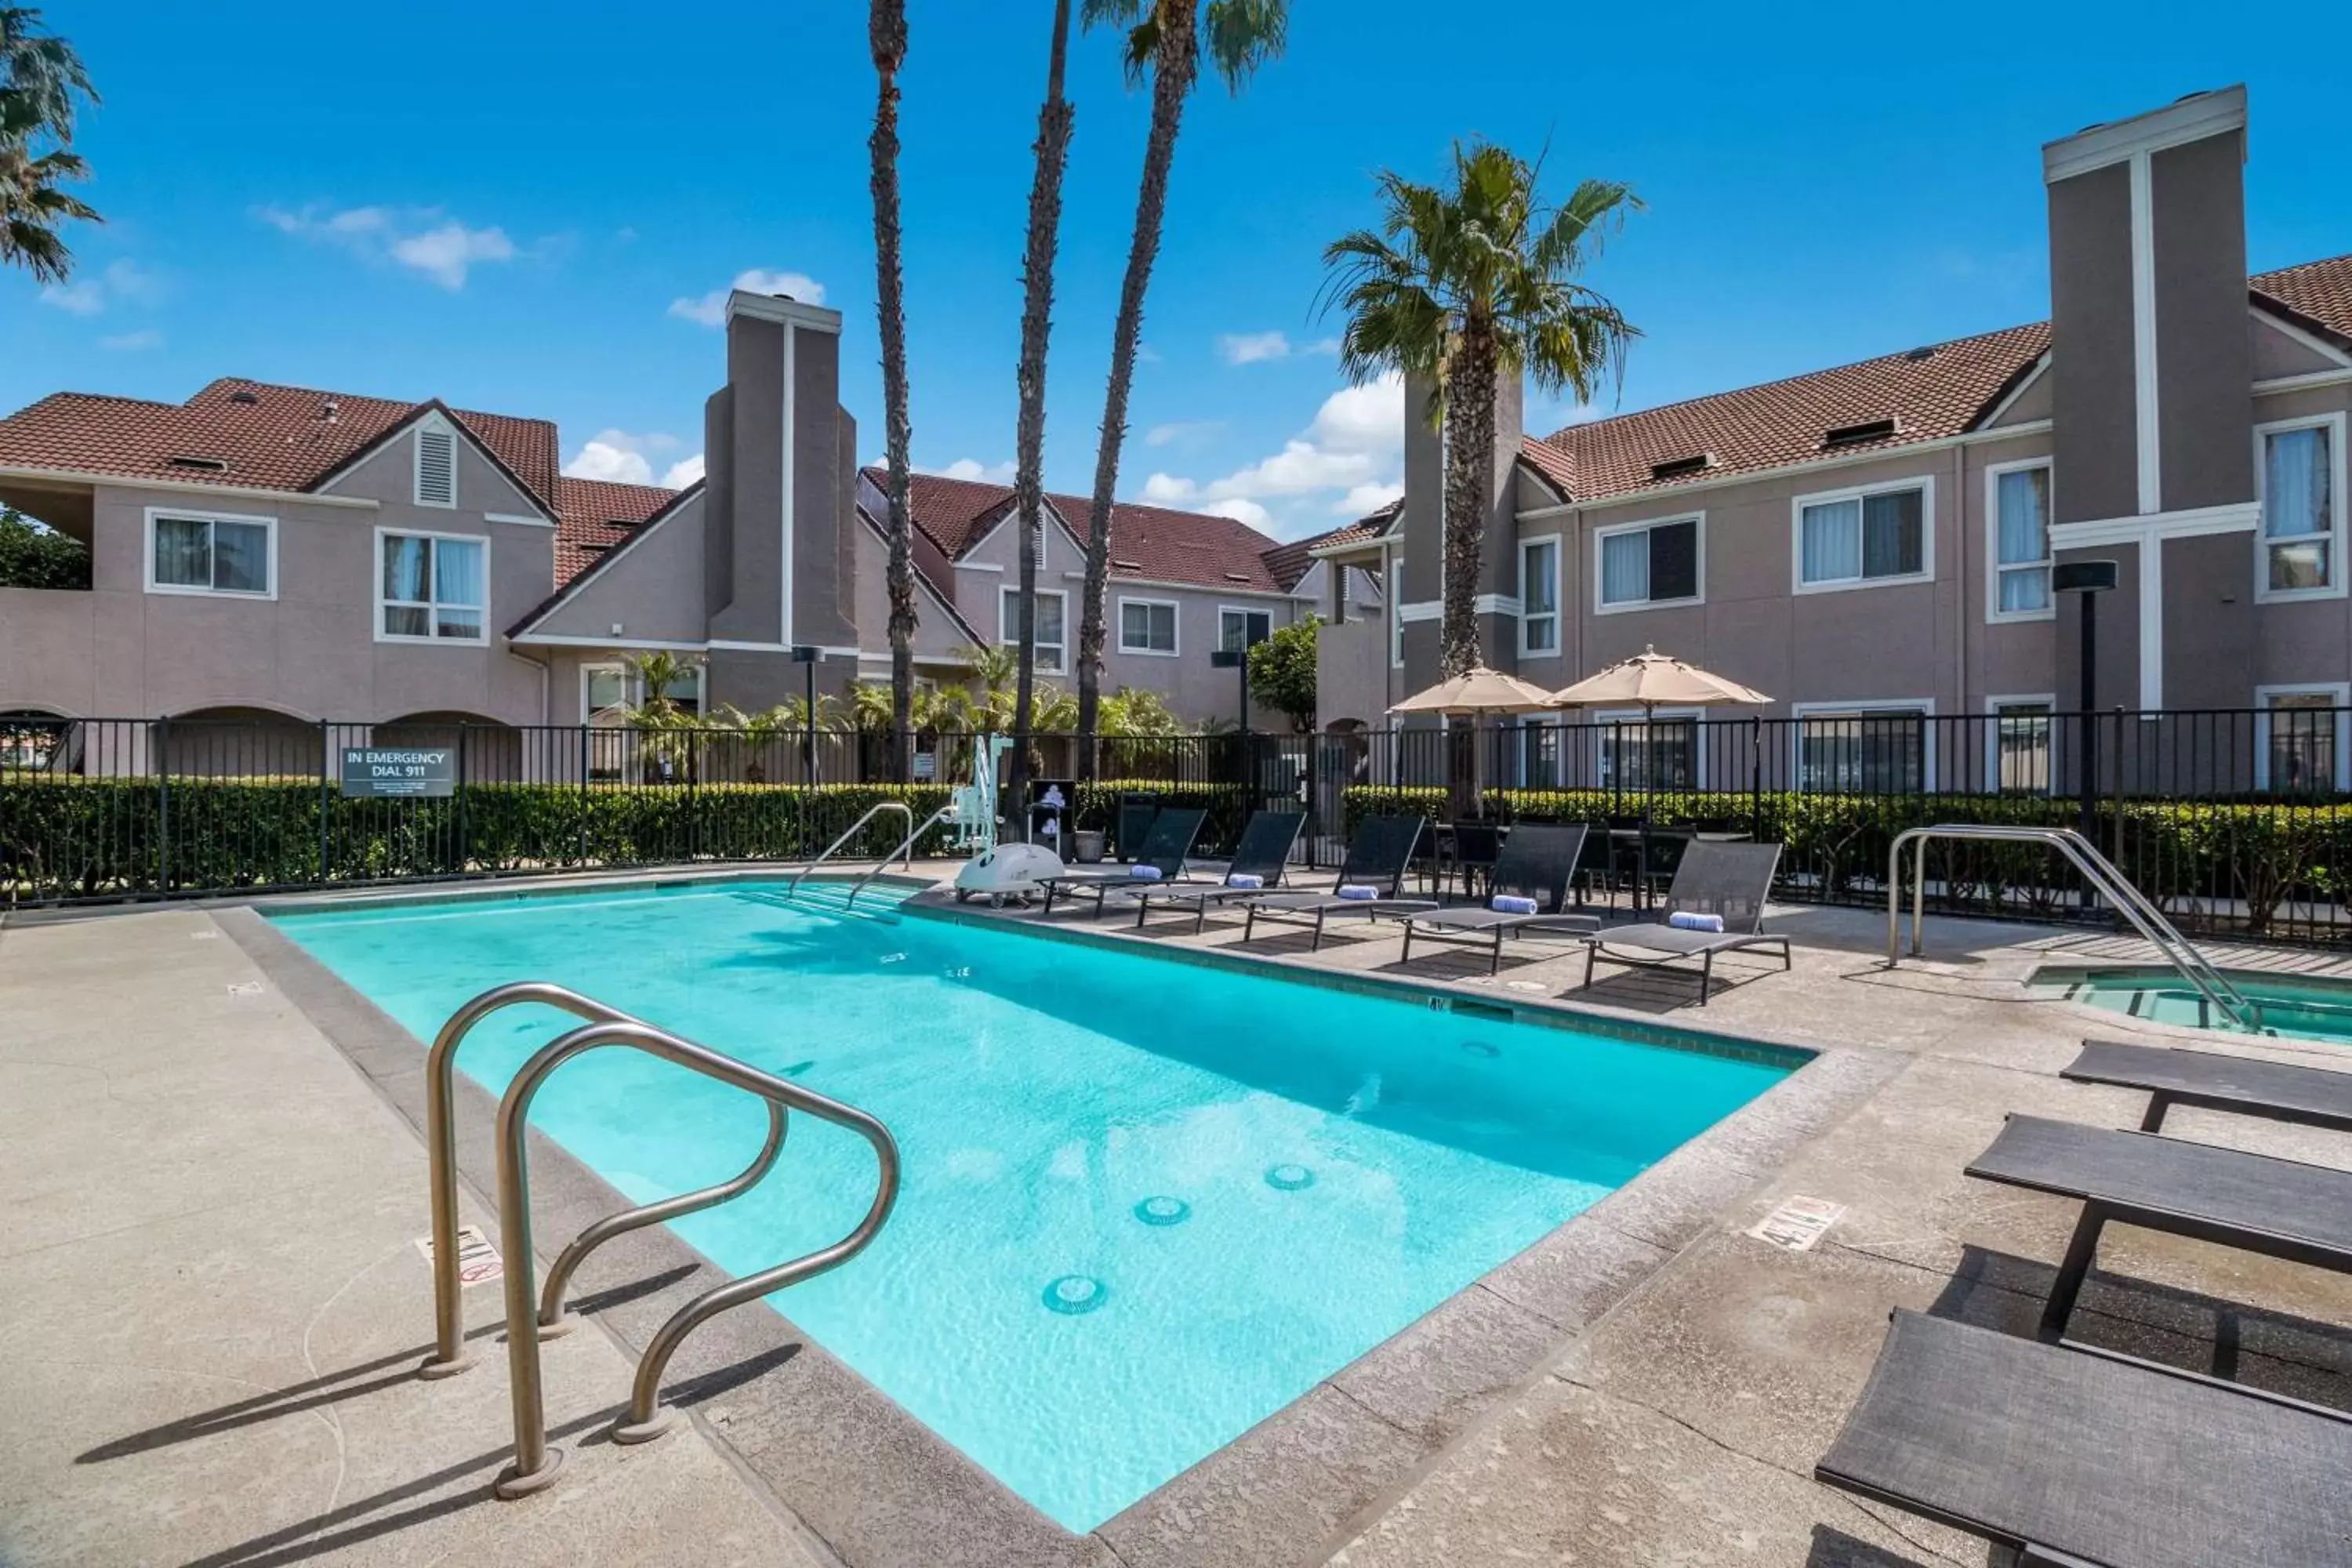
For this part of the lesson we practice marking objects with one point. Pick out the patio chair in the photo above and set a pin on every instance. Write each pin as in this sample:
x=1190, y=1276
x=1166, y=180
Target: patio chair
x=2279, y=1208
x=2078, y=1457
x=1728, y=882
x=1377, y=858
x=1163, y=848
x=2279, y=1091
x=1257, y=865
x=1134, y=826
x=1538, y=862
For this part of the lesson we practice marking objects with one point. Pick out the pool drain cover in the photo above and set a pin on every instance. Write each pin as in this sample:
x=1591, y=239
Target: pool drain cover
x=1481, y=1049
x=1163, y=1210
x=1075, y=1293
x=1289, y=1178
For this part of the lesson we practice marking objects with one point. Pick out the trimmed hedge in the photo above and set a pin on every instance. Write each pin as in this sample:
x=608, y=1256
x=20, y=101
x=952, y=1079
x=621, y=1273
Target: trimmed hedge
x=2182, y=853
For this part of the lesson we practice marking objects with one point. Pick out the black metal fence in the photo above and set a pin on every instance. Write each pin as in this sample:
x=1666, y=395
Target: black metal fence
x=2236, y=821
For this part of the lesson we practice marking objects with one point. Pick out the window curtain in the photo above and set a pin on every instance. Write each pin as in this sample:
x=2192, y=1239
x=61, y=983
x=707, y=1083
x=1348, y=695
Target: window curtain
x=1625, y=568
x=2294, y=484
x=1537, y=596
x=458, y=574
x=240, y=558
x=1832, y=542
x=183, y=552
x=2025, y=538
x=404, y=569
x=1890, y=534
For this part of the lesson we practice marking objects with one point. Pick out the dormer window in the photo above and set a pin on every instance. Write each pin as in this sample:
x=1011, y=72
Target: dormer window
x=437, y=467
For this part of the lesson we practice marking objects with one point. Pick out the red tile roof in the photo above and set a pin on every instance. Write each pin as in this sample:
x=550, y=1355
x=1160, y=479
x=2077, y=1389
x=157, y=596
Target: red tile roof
x=592, y=516
x=1930, y=392
x=262, y=436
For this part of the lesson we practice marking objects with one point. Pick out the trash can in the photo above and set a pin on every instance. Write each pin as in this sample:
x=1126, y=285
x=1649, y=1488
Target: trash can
x=1087, y=846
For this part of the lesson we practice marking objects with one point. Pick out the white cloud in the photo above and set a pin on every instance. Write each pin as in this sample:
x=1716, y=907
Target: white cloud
x=710, y=310
x=1322, y=346
x=1146, y=354
x=1239, y=509
x=122, y=282
x=624, y=458
x=1367, y=418
x=1367, y=498
x=1186, y=432
x=424, y=240
x=682, y=473
x=974, y=470
x=1300, y=466
x=86, y=297
x=129, y=343
x=1249, y=348
x=1167, y=489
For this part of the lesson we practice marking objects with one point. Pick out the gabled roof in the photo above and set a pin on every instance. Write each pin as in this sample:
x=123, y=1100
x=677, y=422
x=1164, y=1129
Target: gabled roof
x=1149, y=543
x=1929, y=393
x=594, y=516
x=261, y=436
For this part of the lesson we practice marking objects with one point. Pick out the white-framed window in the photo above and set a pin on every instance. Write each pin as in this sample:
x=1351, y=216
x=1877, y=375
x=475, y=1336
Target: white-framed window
x=1864, y=538
x=2018, y=734
x=1637, y=566
x=211, y=552
x=432, y=587
x=608, y=693
x=1148, y=627
x=1866, y=748
x=1539, y=596
x=2017, y=542
x=2303, y=738
x=1657, y=751
x=2300, y=477
x=1239, y=628
x=1052, y=619
x=1393, y=588
x=437, y=465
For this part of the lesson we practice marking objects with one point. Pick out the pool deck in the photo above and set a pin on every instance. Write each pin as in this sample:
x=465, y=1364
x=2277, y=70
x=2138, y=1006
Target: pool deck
x=210, y=1294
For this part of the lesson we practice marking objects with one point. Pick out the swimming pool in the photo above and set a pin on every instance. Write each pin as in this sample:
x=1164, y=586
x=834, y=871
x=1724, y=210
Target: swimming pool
x=1147, y=1204
x=2310, y=1006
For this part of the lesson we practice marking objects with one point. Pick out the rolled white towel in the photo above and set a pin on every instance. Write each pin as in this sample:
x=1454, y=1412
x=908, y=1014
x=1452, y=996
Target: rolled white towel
x=1684, y=920
x=1250, y=879
x=1144, y=873
x=1511, y=904
x=1357, y=891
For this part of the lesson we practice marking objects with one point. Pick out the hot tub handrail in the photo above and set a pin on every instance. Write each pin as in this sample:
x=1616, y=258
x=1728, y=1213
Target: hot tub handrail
x=905, y=851
x=868, y=815
x=2103, y=876
x=534, y=1464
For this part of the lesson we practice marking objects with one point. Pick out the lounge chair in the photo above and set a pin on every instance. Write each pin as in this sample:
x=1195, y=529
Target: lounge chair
x=2279, y=1091
x=1377, y=858
x=1538, y=862
x=1728, y=882
x=2071, y=1457
x=2279, y=1208
x=1163, y=848
x=1257, y=865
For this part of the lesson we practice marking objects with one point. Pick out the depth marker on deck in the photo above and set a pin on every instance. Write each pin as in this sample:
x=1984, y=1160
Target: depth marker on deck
x=1799, y=1223
x=478, y=1260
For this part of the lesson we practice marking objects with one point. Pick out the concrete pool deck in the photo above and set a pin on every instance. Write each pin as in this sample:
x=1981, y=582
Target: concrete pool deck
x=211, y=1297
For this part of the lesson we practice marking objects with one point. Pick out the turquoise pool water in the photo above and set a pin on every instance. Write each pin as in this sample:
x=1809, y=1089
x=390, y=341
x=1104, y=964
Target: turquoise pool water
x=2315, y=1009
x=1146, y=1203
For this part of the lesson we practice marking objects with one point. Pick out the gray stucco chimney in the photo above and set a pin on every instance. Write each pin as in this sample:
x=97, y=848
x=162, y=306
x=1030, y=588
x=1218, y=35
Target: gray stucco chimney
x=1425, y=529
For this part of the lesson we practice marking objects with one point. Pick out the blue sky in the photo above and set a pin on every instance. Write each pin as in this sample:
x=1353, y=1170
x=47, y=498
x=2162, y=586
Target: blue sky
x=518, y=207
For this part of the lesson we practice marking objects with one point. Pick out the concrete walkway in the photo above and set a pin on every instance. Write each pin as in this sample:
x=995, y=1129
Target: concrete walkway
x=212, y=1302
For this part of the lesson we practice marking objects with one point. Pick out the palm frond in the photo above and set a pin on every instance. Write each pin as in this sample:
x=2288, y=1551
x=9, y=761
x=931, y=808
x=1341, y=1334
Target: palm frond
x=1242, y=35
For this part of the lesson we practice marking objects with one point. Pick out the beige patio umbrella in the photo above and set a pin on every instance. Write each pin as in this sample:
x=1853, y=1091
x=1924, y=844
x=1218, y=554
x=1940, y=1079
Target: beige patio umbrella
x=1473, y=694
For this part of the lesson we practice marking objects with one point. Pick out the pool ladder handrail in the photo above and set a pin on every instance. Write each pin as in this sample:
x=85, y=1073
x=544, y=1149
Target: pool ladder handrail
x=528, y=1322
x=904, y=852
x=2105, y=877
x=868, y=815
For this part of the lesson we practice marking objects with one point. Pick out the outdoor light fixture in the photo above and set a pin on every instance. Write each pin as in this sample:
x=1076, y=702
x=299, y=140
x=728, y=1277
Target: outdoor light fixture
x=806, y=657
x=2090, y=579
x=1237, y=658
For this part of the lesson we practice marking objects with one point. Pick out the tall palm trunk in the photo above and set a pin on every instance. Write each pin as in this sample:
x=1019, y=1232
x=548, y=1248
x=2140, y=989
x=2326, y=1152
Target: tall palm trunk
x=1469, y=467
x=1053, y=151
x=887, y=34
x=1174, y=66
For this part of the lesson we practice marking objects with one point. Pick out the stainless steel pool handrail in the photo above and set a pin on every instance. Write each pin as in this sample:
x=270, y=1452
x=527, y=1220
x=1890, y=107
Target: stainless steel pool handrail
x=905, y=850
x=868, y=815
x=534, y=1463
x=2105, y=877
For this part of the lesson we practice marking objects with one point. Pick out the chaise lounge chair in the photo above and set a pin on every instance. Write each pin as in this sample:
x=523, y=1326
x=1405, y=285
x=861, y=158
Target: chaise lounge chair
x=2072, y=1458
x=1376, y=860
x=2280, y=1208
x=1726, y=881
x=2279, y=1091
x=1257, y=865
x=1537, y=863
x=1163, y=849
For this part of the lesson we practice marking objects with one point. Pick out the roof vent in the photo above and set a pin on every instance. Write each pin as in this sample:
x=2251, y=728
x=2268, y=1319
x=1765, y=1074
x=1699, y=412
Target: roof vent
x=1675, y=468
x=1854, y=435
x=209, y=465
x=1127, y=565
x=327, y=411
x=247, y=398
x=1239, y=577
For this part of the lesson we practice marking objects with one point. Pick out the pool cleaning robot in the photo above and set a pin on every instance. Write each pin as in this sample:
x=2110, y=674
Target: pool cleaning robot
x=996, y=872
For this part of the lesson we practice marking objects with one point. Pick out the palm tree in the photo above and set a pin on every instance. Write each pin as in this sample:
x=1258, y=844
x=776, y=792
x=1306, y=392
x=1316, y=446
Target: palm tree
x=886, y=33
x=1163, y=40
x=1053, y=152
x=41, y=84
x=1464, y=284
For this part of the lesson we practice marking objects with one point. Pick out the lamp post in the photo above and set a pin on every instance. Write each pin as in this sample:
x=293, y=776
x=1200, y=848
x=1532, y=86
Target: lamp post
x=2089, y=579
x=1238, y=659
x=806, y=657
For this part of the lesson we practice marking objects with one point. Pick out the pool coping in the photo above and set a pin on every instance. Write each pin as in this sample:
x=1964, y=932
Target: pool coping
x=881, y=1488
